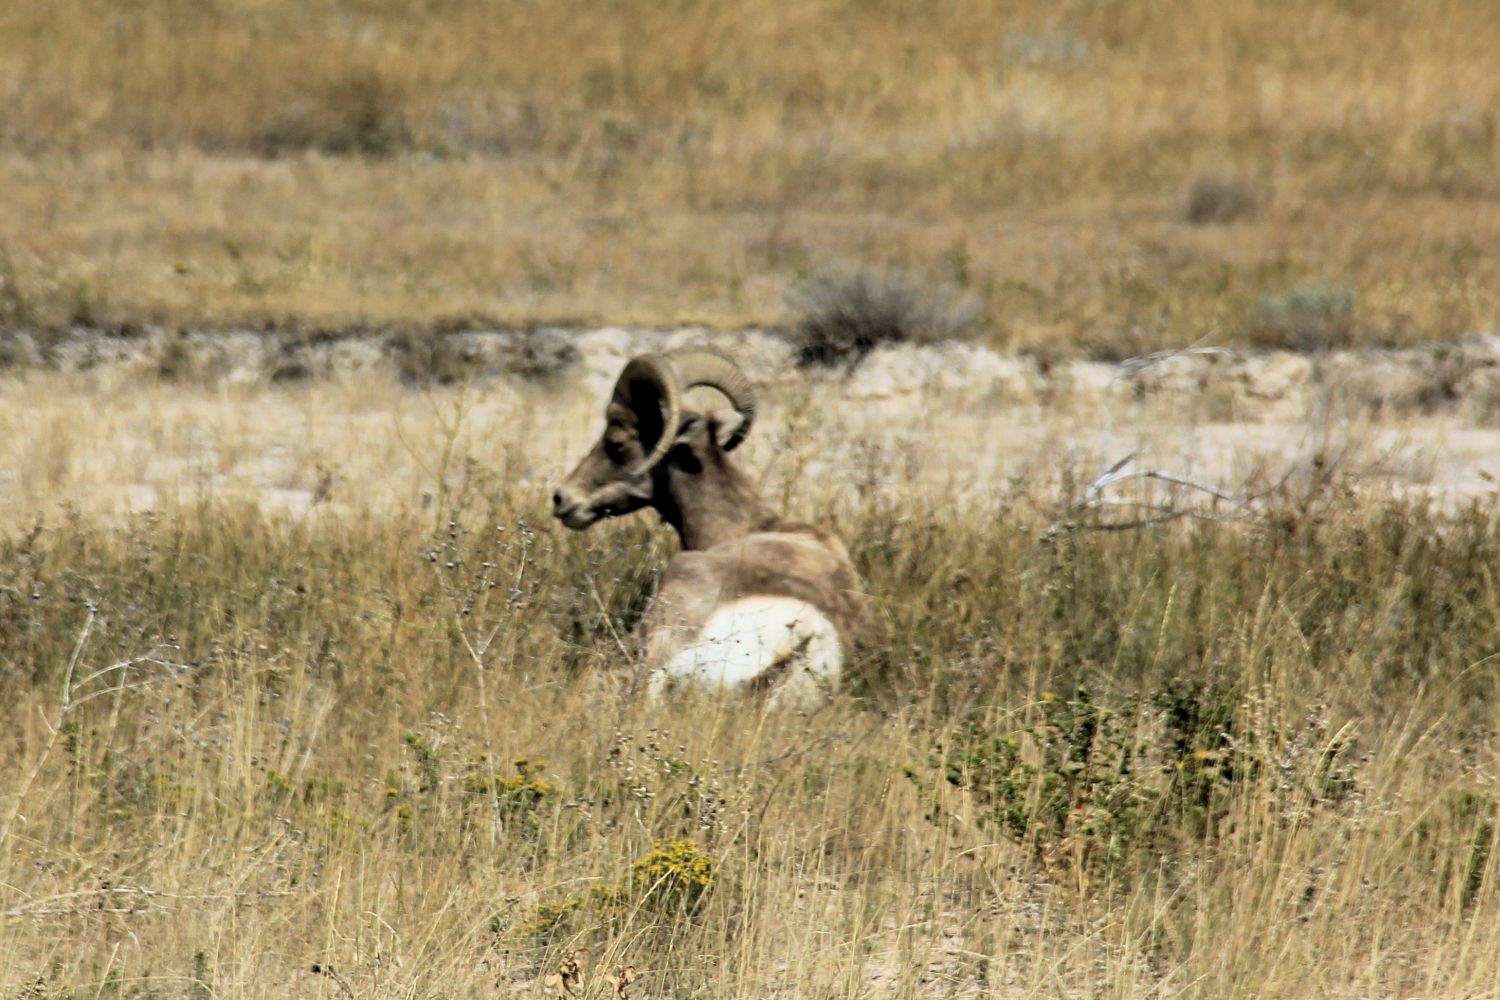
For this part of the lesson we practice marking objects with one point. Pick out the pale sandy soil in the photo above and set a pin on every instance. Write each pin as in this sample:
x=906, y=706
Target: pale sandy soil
x=100, y=431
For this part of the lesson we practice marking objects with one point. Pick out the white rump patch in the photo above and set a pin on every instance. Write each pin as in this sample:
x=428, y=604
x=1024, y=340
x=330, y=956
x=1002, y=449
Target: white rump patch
x=789, y=641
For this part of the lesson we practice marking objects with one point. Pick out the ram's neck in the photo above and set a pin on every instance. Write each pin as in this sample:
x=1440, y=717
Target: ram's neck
x=716, y=503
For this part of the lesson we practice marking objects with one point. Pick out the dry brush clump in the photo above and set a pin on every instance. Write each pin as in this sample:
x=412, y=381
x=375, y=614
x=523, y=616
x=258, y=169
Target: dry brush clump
x=840, y=318
x=409, y=750
x=1215, y=198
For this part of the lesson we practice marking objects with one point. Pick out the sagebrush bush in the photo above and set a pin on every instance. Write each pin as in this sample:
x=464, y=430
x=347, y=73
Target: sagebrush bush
x=842, y=317
x=1315, y=316
x=1217, y=198
x=359, y=112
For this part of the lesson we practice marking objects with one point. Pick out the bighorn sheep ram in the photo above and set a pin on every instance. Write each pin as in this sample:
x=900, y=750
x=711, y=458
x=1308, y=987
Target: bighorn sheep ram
x=751, y=602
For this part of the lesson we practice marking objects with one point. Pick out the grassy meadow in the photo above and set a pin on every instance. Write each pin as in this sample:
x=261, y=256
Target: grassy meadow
x=306, y=696
x=1102, y=177
x=388, y=739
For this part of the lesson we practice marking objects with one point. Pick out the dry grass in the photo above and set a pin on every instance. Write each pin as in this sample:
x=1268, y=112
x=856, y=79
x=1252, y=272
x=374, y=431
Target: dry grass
x=249, y=738
x=306, y=698
x=394, y=163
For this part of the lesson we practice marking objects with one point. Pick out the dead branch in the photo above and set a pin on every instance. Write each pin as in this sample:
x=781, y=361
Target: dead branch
x=1081, y=514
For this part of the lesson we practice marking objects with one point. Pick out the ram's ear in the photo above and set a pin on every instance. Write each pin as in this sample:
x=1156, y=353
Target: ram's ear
x=728, y=428
x=643, y=410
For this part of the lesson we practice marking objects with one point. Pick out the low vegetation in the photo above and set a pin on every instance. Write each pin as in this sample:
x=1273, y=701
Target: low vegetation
x=404, y=750
x=305, y=696
x=1098, y=176
x=840, y=318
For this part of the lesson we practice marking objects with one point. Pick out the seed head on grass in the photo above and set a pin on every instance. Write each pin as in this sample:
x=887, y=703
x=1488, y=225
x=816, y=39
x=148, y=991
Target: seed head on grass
x=569, y=974
x=620, y=979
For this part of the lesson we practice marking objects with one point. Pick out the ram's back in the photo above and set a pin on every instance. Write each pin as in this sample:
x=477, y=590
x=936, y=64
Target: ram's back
x=770, y=610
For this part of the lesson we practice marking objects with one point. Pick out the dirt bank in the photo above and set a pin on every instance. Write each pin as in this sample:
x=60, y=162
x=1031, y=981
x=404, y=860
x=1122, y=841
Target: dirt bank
x=130, y=422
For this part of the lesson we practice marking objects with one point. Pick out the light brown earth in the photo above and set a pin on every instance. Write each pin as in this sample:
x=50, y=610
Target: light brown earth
x=104, y=432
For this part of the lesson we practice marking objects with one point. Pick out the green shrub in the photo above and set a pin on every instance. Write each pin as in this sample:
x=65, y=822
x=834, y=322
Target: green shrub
x=1105, y=786
x=1308, y=317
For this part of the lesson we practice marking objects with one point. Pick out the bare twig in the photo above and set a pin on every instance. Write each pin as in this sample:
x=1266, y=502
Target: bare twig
x=1095, y=498
x=1134, y=367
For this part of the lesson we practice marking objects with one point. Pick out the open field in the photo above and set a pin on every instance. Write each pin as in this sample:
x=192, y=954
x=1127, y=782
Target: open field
x=1102, y=177
x=272, y=652
x=1181, y=673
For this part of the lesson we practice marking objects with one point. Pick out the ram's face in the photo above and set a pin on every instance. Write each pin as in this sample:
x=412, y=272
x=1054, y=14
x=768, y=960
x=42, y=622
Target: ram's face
x=647, y=429
x=613, y=478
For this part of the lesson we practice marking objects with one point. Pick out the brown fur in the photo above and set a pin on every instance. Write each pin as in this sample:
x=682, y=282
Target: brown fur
x=733, y=545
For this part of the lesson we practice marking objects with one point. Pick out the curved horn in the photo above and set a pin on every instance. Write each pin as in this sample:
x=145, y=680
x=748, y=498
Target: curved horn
x=697, y=366
x=655, y=371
